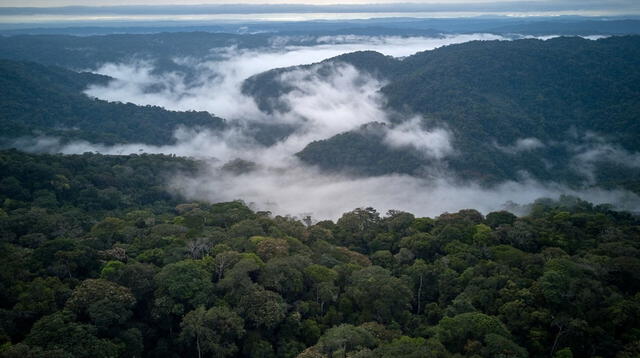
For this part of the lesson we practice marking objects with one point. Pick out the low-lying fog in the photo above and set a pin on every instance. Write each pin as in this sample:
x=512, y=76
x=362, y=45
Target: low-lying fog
x=318, y=107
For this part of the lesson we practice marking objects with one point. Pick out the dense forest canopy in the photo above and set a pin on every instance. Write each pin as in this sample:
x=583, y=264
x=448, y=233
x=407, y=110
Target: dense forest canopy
x=99, y=262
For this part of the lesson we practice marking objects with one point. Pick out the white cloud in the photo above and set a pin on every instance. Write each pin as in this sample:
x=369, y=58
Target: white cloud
x=434, y=143
x=609, y=153
x=296, y=189
x=189, y=143
x=521, y=145
x=596, y=149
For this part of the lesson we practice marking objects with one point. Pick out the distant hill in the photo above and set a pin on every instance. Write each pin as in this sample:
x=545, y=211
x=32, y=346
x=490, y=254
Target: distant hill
x=527, y=87
x=78, y=52
x=492, y=94
x=42, y=100
x=361, y=152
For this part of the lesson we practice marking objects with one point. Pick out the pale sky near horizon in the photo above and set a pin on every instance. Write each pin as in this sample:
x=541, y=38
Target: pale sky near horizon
x=55, y=3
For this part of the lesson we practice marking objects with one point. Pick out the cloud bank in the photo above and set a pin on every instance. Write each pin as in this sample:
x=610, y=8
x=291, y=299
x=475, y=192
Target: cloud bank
x=299, y=190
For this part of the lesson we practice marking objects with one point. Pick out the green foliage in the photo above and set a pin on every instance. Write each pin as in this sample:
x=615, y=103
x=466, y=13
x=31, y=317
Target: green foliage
x=356, y=228
x=379, y=295
x=498, y=218
x=60, y=332
x=345, y=338
x=361, y=151
x=564, y=353
x=182, y=286
x=227, y=214
x=42, y=296
x=215, y=330
x=95, y=184
x=455, y=332
x=101, y=302
x=262, y=307
x=285, y=275
x=404, y=347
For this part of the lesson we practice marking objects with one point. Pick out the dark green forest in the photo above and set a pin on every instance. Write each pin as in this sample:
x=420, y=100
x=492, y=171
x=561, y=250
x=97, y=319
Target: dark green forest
x=99, y=260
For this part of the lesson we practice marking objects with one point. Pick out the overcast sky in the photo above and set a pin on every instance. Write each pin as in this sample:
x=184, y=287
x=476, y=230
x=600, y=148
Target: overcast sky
x=54, y=3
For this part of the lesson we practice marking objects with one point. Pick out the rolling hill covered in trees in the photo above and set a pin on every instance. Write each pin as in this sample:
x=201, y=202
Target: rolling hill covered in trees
x=563, y=96
x=96, y=261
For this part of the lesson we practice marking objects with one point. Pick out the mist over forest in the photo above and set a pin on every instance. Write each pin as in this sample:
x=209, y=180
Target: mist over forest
x=385, y=187
x=315, y=95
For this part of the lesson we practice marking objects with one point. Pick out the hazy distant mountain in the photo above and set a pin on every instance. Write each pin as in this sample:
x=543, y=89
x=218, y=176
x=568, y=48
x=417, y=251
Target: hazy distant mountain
x=90, y=51
x=572, y=27
x=384, y=26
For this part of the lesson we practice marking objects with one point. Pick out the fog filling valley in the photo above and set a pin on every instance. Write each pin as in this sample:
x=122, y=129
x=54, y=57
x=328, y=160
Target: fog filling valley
x=318, y=107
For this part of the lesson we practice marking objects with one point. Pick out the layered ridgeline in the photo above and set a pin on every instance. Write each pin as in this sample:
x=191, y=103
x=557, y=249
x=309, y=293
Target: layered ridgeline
x=39, y=100
x=398, y=26
x=566, y=109
x=97, y=260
